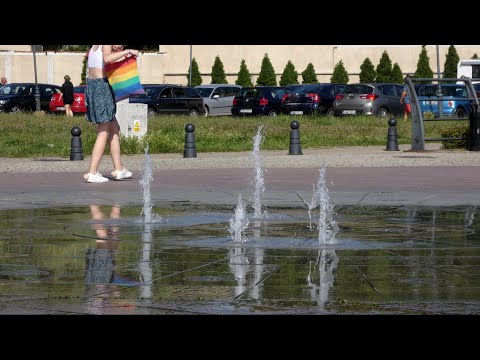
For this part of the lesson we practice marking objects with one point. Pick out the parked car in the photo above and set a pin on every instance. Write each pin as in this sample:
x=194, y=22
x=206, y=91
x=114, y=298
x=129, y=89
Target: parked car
x=311, y=99
x=78, y=106
x=16, y=97
x=259, y=100
x=170, y=99
x=452, y=105
x=218, y=98
x=380, y=99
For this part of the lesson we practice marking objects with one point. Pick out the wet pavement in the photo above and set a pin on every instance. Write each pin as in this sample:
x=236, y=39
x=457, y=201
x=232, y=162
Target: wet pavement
x=408, y=243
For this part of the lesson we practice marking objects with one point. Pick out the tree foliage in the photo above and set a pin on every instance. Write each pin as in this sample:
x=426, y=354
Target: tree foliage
x=384, y=69
x=308, y=75
x=267, y=75
x=84, y=71
x=423, y=66
x=475, y=56
x=339, y=75
x=367, y=71
x=244, y=78
x=396, y=76
x=218, y=74
x=451, y=62
x=196, y=77
x=289, y=75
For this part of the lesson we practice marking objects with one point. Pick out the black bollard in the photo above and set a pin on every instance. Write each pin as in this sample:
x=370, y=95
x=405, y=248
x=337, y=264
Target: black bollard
x=295, y=147
x=76, y=151
x=474, y=134
x=392, y=144
x=190, y=150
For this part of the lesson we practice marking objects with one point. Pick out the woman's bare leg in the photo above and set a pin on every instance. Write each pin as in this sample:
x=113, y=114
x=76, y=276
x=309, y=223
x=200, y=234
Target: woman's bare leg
x=114, y=143
x=99, y=147
x=68, y=110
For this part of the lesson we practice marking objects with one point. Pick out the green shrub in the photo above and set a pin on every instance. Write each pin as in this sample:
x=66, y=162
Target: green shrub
x=309, y=76
x=367, y=71
x=244, y=78
x=455, y=131
x=196, y=77
x=218, y=73
x=267, y=75
x=289, y=76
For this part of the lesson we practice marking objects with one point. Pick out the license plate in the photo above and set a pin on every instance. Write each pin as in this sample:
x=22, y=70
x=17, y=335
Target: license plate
x=349, y=112
x=60, y=108
x=296, y=112
x=248, y=111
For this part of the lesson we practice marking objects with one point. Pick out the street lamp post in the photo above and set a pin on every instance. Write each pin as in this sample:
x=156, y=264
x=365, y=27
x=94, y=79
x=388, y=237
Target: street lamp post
x=333, y=58
x=37, y=91
x=190, y=75
x=439, y=90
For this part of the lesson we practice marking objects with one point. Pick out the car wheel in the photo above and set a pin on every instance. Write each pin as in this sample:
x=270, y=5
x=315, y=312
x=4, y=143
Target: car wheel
x=330, y=112
x=383, y=113
x=193, y=112
x=151, y=112
x=460, y=113
x=16, y=109
x=272, y=113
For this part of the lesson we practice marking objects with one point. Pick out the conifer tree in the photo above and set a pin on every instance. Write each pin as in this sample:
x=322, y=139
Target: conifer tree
x=84, y=71
x=218, y=74
x=475, y=56
x=289, y=75
x=196, y=77
x=367, y=71
x=423, y=66
x=451, y=62
x=267, y=75
x=339, y=75
x=309, y=76
x=396, y=76
x=384, y=69
x=244, y=78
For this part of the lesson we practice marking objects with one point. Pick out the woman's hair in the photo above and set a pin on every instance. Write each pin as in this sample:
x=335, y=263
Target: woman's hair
x=66, y=77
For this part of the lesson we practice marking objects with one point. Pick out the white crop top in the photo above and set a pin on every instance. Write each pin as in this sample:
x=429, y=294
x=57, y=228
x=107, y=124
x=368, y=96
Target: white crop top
x=95, y=58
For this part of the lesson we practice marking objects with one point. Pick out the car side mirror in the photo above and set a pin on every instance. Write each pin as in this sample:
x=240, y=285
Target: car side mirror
x=215, y=95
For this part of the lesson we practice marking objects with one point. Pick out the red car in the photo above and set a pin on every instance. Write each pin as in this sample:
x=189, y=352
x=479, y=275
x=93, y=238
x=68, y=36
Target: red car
x=78, y=107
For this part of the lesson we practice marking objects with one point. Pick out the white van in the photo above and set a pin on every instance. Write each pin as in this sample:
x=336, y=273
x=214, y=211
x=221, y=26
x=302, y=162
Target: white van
x=469, y=68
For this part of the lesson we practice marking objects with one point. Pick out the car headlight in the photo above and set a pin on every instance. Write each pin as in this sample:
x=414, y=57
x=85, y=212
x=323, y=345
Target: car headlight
x=3, y=102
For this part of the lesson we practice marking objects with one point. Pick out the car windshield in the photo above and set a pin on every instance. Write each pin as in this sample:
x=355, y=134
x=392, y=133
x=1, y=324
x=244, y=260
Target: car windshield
x=204, y=92
x=456, y=91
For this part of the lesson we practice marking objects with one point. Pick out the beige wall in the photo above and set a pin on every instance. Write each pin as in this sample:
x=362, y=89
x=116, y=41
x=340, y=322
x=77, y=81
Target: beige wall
x=171, y=64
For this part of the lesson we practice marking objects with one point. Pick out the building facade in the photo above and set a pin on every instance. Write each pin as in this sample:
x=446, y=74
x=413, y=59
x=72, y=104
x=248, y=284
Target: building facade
x=170, y=64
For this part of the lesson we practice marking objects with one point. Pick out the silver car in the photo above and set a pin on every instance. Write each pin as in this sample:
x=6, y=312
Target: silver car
x=380, y=99
x=218, y=98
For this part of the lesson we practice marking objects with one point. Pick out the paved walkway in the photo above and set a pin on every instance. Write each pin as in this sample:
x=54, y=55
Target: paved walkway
x=355, y=175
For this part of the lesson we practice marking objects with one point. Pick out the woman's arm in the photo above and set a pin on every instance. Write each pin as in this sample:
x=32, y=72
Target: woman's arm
x=110, y=56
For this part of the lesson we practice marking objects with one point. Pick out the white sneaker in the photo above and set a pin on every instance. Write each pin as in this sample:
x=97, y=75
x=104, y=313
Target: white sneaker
x=95, y=178
x=124, y=174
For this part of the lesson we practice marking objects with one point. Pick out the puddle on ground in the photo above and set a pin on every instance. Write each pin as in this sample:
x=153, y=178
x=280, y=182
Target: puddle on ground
x=104, y=260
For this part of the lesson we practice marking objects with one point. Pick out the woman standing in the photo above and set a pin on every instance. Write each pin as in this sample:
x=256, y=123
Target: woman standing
x=101, y=110
x=67, y=94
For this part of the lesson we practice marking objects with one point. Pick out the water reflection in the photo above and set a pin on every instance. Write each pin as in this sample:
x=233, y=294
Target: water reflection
x=321, y=275
x=244, y=261
x=100, y=262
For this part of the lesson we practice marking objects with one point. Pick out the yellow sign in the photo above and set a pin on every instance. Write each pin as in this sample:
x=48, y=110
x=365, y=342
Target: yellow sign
x=136, y=126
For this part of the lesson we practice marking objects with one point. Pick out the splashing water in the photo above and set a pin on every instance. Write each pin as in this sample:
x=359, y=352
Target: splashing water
x=147, y=178
x=327, y=227
x=258, y=180
x=239, y=221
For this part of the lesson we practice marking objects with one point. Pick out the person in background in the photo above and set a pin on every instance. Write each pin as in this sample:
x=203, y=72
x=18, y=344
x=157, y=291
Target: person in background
x=4, y=81
x=101, y=110
x=405, y=99
x=67, y=94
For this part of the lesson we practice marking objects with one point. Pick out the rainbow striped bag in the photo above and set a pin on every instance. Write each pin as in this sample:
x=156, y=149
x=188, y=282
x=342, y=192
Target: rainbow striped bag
x=123, y=78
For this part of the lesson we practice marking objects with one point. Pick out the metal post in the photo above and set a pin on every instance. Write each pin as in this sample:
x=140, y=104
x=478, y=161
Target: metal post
x=439, y=91
x=190, y=75
x=37, y=91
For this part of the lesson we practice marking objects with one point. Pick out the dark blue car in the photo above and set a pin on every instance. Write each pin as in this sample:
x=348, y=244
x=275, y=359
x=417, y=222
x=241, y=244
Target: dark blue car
x=311, y=99
x=258, y=100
